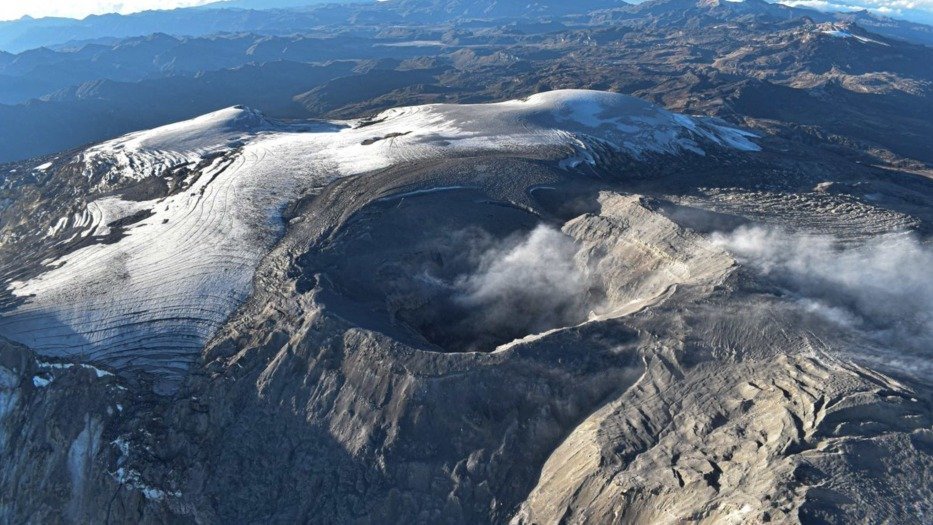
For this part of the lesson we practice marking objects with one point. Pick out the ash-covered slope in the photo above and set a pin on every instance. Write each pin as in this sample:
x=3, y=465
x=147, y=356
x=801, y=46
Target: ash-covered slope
x=139, y=280
x=576, y=307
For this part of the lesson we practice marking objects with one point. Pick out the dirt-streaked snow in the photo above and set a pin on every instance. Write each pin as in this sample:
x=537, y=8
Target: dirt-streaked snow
x=153, y=298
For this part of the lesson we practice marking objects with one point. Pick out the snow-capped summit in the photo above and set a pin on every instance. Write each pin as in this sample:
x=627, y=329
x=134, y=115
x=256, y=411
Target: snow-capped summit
x=173, y=268
x=151, y=152
x=201, y=133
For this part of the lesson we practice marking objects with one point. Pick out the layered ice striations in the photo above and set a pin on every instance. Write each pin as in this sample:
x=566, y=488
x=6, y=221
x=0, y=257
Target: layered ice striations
x=151, y=298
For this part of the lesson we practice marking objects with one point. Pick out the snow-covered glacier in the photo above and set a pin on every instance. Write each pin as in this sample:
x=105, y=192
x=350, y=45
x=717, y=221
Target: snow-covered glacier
x=150, y=298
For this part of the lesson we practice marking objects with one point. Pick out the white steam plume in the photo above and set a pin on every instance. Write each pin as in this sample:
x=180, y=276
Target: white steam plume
x=530, y=284
x=883, y=286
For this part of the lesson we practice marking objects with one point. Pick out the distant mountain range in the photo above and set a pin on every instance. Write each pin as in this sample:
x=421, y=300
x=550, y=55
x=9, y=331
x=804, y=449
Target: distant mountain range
x=709, y=11
x=28, y=33
x=287, y=18
x=348, y=60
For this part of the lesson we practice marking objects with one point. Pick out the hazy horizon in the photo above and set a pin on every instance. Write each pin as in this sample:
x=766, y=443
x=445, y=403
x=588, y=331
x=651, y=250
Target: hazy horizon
x=913, y=10
x=79, y=9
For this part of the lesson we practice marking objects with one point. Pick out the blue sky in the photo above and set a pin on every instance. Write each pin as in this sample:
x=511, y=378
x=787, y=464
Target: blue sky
x=917, y=10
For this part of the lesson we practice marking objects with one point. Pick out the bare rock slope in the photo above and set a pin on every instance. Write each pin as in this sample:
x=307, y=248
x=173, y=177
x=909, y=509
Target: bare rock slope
x=573, y=308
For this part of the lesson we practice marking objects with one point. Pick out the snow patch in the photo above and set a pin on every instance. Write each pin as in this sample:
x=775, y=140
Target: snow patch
x=132, y=478
x=837, y=32
x=65, y=366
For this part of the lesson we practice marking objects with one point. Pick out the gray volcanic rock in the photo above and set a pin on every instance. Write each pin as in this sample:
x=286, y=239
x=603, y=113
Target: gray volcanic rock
x=140, y=280
x=571, y=308
x=55, y=422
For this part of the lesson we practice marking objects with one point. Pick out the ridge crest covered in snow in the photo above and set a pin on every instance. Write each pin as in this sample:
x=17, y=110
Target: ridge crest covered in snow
x=151, y=299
